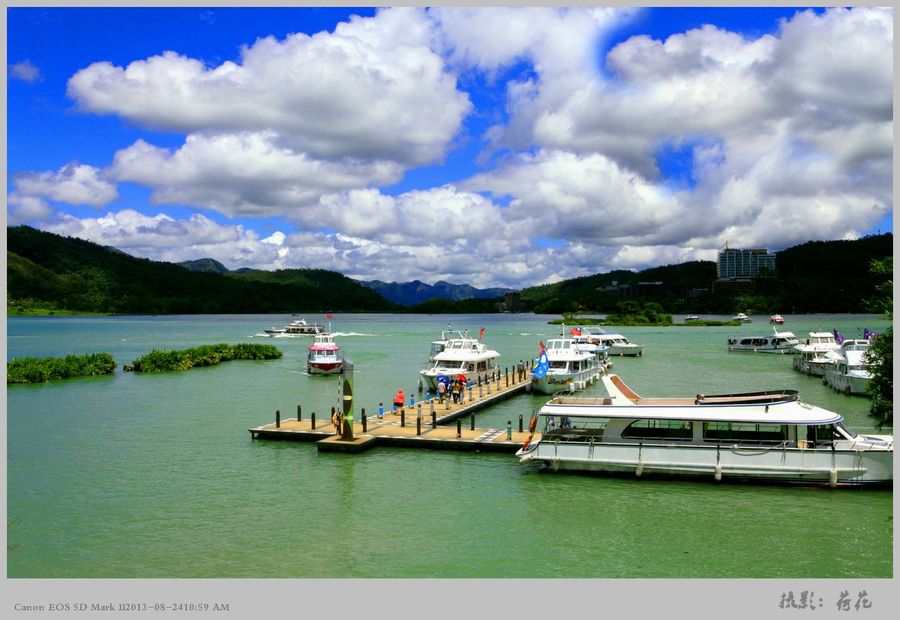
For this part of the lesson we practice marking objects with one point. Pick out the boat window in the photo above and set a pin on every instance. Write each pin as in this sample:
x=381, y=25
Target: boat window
x=570, y=428
x=821, y=434
x=558, y=365
x=470, y=367
x=845, y=430
x=658, y=429
x=744, y=431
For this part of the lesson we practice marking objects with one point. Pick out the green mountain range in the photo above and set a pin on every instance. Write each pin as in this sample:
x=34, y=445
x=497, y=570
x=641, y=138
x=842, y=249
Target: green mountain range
x=51, y=272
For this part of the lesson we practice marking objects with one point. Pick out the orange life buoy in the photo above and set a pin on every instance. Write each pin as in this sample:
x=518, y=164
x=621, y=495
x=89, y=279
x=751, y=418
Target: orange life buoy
x=532, y=424
x=527, y=441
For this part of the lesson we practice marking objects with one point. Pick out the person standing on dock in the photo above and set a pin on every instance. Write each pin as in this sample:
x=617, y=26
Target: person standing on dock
x=456, y=390
x=399, y=399
x=441, y=388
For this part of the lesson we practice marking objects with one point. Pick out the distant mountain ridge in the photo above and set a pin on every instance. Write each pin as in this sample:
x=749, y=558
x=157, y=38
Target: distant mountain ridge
x=403, y=293
x=417, y=292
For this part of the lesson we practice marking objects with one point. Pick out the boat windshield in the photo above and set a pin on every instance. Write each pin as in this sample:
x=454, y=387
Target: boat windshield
x=845, y=430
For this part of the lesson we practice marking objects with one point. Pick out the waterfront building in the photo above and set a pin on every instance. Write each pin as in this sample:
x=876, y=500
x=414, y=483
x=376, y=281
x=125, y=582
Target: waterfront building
x=740, y=264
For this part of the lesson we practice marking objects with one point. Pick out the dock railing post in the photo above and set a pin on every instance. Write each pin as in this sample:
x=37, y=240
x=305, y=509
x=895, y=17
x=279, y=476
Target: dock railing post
x=380, y=411
x=313, y=421
x=480, y=391
x=509, y=430
x=458, y=428
x=470, y=393
x=520, y=422
x=433, y=420
x=402, y=418
x=472, y=422
x=446, y=404
x=278, y=418
x=507, y=377
x=364, y=421
x=419, y=423
x=299, y=413
x=431, y=407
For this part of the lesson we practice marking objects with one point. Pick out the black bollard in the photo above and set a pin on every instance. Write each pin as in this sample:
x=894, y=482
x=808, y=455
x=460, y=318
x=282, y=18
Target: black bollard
x=507, y=377
x=418, y=425
x=458, y=428
x=364, y=419
x=299, y=413
x=278, y=418
x=313, y=420
x=402, y=418
x=472, y=422
x=433, y=420
x=520, y=422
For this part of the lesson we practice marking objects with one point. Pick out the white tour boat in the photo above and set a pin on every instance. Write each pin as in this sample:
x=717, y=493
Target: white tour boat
x=582, y=340
x=817, y=354
x=460, y=356
x=691, y=317
x=743, y=318
x=777, y=342
x=297, y=328
x=765, y=436
x=849, y=373
x=617, y=344
x=569, y=368
x=324, y=356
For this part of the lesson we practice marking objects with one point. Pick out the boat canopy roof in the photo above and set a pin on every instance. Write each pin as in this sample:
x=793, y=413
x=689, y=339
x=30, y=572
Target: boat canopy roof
x=465, y=349
x=772, y=407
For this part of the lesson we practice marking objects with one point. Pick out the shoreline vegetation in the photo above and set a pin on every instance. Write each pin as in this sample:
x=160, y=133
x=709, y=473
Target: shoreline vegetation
x=43, y=369
x=28, y=370
x=206, y=355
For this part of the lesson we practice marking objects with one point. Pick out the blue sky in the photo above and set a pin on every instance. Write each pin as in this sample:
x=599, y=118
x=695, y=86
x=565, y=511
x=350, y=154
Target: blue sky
x=494, y=147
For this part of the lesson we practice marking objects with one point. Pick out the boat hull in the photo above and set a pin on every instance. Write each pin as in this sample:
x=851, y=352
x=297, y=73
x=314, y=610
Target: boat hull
x=848, y=384
x=551, y=383
x=324, y=368
x=722, y=463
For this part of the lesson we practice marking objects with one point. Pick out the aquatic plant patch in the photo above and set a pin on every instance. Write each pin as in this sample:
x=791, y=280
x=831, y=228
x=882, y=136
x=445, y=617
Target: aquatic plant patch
x=205, y=355
x=42, y=369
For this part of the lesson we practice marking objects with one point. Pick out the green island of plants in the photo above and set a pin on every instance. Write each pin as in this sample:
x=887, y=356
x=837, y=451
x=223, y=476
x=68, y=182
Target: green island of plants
x=42, y=369
x=206, y=355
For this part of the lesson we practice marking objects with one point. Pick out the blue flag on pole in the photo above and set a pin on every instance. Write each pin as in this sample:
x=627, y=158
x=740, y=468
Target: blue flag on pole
x=838, y=337
x=543, y=364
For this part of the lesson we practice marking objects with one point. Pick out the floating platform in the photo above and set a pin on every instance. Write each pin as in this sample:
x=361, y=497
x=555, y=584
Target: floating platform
x=423, y=425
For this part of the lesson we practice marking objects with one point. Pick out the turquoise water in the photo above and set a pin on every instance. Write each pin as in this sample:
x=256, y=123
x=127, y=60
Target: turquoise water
x=156, y=475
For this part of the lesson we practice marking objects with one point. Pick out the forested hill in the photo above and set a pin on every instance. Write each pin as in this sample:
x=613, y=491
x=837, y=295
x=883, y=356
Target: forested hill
x=818, y=276
x=50, y=271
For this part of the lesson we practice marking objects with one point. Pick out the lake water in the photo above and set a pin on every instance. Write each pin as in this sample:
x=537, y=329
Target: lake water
x=156, y=475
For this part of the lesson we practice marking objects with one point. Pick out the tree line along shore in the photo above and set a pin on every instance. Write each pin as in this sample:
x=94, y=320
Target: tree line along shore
x=43, y=369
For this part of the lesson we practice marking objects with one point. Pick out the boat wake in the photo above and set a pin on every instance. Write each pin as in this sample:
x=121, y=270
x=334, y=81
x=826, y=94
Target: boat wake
x=345, y=334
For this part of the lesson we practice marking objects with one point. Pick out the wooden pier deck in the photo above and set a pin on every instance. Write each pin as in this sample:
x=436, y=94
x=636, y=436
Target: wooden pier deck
x=424, y=425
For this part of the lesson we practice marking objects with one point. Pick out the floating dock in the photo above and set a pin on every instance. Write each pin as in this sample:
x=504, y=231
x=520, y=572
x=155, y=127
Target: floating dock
x=424, y=424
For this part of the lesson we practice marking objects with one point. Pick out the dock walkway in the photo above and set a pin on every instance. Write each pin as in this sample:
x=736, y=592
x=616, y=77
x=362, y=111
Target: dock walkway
x=424, y=425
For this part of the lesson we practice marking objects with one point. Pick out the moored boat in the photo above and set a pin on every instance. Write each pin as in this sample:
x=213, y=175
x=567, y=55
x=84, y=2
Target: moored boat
x=764, y=436
x=817, y=354
x=743, y=318
x=563, y=366
x=324, y=357
x=464, y=356
x=777, y=342
x=776, y=319
x=849, y=373
x=617, y=344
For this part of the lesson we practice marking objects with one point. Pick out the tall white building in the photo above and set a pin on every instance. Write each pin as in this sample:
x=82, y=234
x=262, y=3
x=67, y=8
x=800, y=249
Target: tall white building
x=739, y=264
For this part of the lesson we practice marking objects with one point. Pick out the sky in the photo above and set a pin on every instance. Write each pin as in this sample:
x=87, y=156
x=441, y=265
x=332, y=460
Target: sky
x=505, y=146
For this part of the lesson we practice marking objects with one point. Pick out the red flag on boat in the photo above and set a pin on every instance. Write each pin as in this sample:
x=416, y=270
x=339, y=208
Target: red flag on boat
x=575, y=331
x=329, y=316
x=481, y=333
